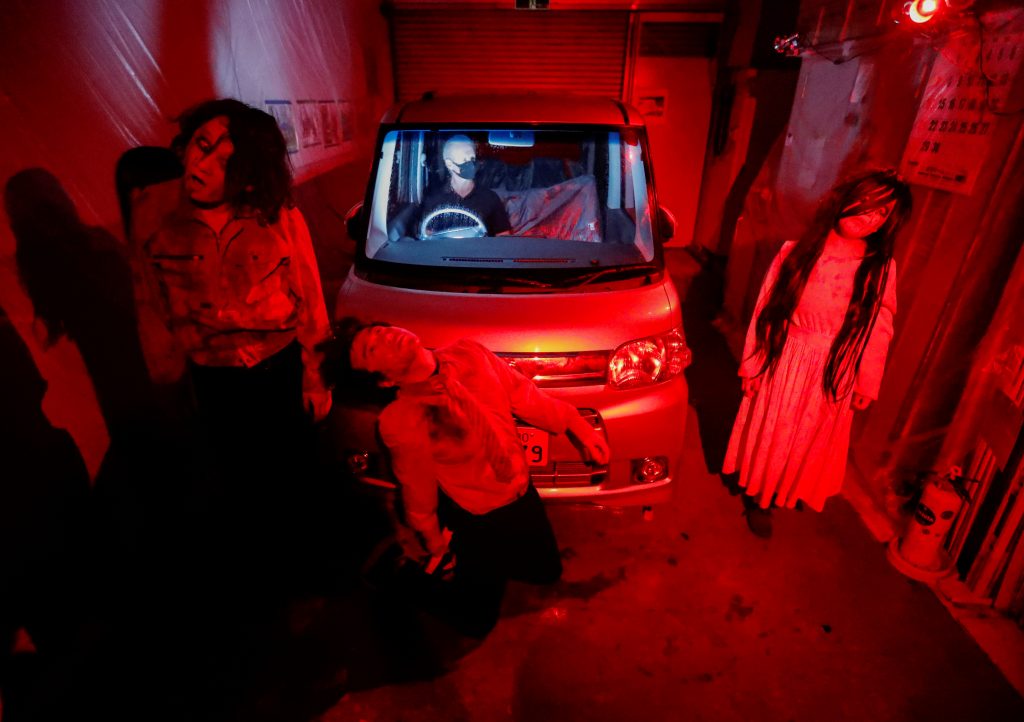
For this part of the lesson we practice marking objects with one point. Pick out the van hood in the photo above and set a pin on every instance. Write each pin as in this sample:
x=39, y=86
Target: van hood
x=594, y=320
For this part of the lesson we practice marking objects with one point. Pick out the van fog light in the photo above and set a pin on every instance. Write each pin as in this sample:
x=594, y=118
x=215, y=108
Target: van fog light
x=650, y=468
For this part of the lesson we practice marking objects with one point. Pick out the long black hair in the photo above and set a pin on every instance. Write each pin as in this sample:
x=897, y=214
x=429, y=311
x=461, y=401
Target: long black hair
x=860, y=194
x=258, y=176
x=357, y=385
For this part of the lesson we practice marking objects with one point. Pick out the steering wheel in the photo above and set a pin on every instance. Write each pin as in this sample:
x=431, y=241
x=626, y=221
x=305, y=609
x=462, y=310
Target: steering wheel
x=476, y=230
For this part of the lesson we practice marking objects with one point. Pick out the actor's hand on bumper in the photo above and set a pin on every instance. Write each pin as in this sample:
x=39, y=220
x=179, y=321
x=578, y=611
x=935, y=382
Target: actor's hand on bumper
x=597, y=449
x=595, y=446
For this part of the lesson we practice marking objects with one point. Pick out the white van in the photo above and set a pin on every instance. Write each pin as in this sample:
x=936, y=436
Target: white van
x=572, y=291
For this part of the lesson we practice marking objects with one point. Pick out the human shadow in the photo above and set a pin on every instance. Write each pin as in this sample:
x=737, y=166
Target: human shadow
x=714, y=386
x=43, y=493
x=79, y=280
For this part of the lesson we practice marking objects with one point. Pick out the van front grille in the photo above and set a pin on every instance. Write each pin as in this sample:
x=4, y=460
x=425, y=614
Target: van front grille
x=561, y=369
x=569, y=473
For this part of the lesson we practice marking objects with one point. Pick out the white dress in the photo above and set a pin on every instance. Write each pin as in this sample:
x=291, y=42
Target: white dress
x=790, y=440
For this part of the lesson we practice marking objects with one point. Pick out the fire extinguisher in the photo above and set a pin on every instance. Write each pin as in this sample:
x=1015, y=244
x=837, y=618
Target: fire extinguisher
x=919, y=553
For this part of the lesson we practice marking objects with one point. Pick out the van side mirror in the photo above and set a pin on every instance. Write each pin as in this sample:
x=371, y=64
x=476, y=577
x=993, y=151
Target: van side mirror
x=355, y=222
x=666, y=223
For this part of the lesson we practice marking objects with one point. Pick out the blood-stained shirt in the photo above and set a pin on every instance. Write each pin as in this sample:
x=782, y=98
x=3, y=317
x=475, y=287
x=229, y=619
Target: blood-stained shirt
x=228, y=298
x=434, y=442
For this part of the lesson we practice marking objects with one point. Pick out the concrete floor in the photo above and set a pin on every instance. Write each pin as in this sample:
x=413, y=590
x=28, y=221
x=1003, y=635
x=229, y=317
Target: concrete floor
x=688, y=617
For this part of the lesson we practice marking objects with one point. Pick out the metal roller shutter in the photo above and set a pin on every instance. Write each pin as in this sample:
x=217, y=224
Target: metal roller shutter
x=504, y=50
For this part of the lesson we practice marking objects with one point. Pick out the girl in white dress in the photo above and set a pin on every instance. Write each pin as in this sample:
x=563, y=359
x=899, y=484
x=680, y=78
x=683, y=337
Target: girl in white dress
x=816, y=347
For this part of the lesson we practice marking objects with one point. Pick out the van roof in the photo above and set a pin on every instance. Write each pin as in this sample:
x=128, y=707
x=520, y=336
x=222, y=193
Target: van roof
x=522, y=108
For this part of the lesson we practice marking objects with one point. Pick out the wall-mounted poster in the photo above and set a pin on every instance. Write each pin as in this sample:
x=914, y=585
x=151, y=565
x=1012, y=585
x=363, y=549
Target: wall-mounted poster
x=348, y=128
x=283, y=114
x=968, y=85
x=309, y=123
x=651, y=103
x=329, y=122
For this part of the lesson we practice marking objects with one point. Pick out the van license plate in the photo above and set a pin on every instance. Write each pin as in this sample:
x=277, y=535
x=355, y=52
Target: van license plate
x=535, y=444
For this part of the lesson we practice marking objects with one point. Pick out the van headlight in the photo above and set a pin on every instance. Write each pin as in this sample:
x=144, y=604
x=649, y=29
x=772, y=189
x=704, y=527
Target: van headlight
x=650, y=360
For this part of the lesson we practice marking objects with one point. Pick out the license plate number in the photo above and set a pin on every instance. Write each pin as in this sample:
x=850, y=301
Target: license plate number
x=535, y=444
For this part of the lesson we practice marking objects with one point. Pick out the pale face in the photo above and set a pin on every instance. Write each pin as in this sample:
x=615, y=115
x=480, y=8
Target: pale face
x=206, y=161
x=864, y=224
x=459, y=153
x=393, y=352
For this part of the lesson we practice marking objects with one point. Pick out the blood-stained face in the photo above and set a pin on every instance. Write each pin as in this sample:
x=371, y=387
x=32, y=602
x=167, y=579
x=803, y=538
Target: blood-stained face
x=206, y=161
x=861, y=225
x=393, y=352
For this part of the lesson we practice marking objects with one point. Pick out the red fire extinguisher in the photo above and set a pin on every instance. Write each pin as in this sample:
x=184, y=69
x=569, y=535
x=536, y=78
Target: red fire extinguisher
x=918, y=553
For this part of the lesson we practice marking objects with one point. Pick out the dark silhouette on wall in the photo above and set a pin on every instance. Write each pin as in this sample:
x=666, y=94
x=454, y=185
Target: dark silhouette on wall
x=43, y=490
x=79, y=280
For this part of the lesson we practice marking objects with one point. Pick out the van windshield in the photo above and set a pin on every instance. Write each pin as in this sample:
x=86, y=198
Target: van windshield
x=512, y=198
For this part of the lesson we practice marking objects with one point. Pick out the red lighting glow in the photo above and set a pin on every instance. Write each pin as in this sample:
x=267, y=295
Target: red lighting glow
x=921, y=11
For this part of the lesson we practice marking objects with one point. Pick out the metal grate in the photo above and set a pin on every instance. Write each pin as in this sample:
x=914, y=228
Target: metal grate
x=569, y=473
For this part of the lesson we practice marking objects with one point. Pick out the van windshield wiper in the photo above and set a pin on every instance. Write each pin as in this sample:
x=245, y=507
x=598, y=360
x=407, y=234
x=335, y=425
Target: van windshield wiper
x=496, y=281
x=633, y=269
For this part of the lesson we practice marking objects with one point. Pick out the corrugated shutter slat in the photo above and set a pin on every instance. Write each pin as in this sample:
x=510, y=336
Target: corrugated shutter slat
x=499, y=50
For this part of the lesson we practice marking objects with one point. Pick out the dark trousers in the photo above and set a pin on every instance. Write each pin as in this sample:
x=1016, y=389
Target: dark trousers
x=512, y=542
x=248, y=406
x=257, y=442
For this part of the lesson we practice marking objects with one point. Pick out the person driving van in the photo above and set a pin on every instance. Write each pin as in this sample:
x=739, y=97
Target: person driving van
x=462, y=192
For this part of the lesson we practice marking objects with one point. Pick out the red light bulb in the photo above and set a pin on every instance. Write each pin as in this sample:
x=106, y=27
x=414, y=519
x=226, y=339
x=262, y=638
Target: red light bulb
x=921, y=11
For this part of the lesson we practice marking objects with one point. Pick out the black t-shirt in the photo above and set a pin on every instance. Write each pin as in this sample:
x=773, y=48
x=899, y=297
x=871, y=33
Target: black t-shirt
x=481, y=201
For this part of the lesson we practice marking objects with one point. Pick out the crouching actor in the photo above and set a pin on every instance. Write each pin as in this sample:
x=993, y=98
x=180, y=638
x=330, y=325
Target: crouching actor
x=465, y=486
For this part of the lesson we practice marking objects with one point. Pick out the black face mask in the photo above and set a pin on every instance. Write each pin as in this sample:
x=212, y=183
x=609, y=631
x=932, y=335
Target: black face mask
x=467, y=170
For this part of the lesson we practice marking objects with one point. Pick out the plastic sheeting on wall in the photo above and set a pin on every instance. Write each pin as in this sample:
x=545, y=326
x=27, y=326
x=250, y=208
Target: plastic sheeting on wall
x=81, y=82
x=84, y=81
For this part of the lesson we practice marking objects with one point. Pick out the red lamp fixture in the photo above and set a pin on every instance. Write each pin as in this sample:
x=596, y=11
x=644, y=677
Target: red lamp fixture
x=921, y=12
x=928, y=13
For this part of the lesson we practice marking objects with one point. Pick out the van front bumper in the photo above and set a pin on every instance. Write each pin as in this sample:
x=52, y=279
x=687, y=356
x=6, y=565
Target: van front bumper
x=644, y=428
